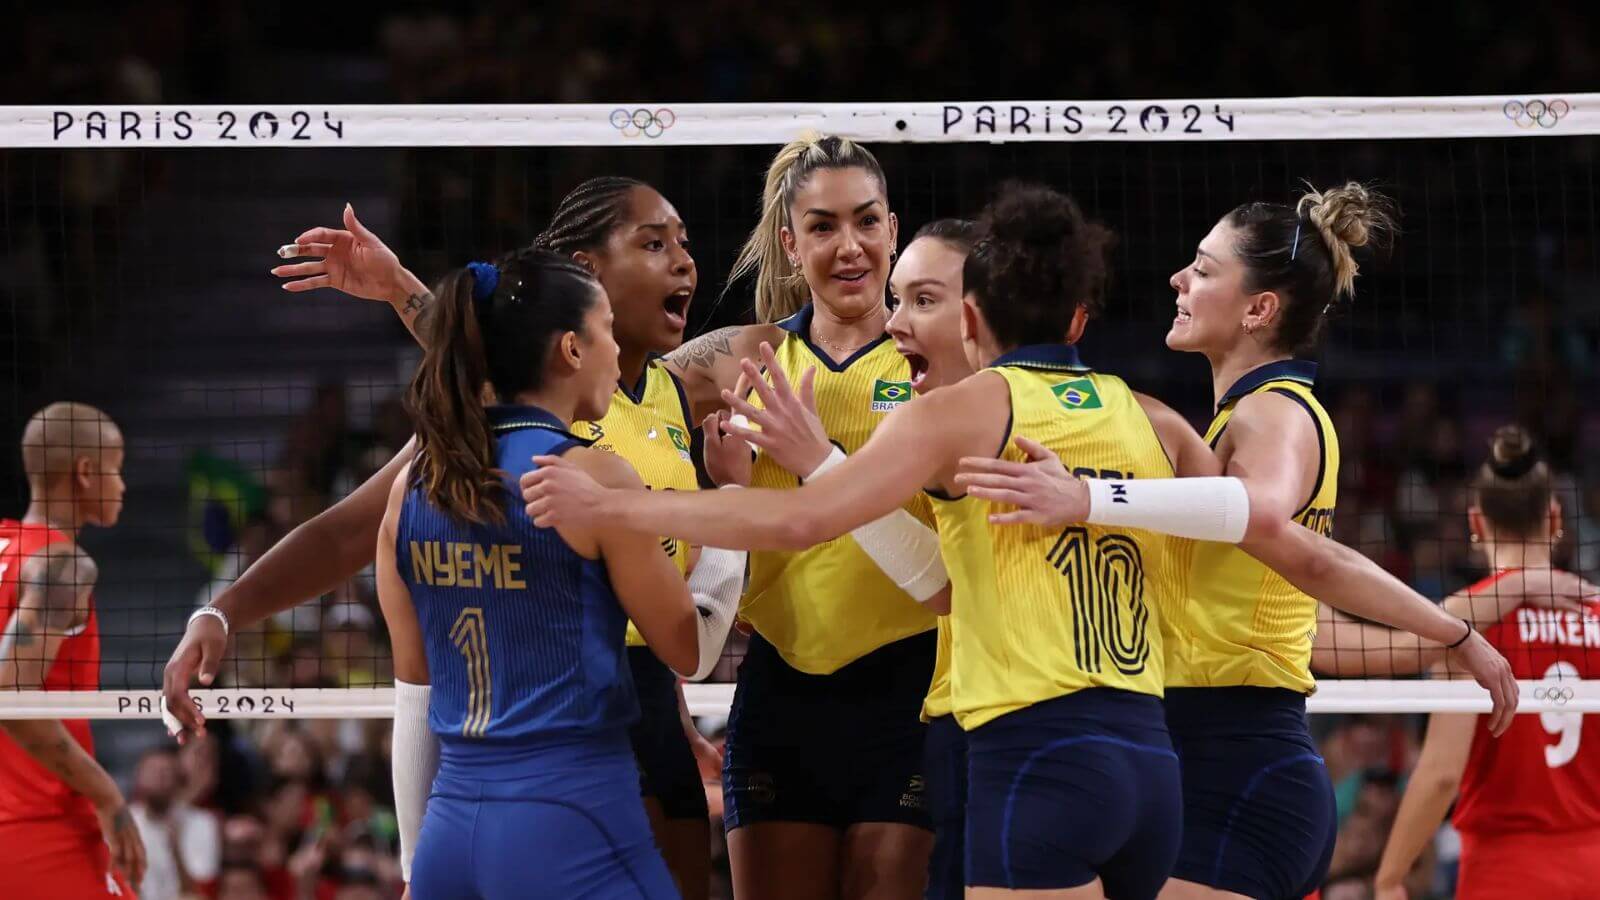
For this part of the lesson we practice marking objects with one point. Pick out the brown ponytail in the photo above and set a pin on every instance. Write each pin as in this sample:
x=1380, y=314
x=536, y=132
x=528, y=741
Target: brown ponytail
x=493, y=328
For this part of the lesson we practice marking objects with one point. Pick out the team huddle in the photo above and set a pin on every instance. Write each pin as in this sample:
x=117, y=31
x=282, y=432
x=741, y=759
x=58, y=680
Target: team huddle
x=1016, y=628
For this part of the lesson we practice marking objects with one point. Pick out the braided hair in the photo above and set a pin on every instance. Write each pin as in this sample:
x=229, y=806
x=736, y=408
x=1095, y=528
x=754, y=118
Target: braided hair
x=587, y=216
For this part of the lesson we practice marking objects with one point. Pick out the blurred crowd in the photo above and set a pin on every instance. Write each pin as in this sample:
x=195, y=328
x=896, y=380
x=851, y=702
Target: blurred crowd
x=725, y=50
x=292, y=810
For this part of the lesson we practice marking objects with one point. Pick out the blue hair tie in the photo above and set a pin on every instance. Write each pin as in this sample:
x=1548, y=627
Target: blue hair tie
x=485, y=278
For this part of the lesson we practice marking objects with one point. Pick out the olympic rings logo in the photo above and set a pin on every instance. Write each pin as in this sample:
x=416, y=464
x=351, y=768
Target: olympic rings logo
x=650, y=123
x=1544, y=114
x=1557, y=695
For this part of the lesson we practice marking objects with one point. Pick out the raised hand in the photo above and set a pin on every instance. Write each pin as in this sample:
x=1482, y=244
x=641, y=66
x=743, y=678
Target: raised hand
x=1041, y=489
x=352, y=260
x=786, y=425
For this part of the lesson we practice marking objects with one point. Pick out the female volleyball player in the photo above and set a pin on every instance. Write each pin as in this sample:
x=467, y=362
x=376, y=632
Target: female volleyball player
x=1529, y=805
x=633, y=240
x=841, y=645
x=1258, y=808
x=508, y=638
x=925, y=292
x=65, y=829
x=1112, y=649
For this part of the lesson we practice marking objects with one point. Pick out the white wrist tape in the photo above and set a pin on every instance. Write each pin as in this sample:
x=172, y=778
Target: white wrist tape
x=415, y=751
x=716, y=584
x=835, y=457
x=214, y=613
x=1207, y=509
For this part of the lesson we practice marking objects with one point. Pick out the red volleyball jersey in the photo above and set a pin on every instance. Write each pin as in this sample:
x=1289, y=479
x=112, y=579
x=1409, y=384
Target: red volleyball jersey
x=28, y=791
x=1543, y=774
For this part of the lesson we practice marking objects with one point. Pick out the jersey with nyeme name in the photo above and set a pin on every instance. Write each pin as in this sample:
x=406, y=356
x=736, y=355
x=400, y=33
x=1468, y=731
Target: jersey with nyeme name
x=524, y=637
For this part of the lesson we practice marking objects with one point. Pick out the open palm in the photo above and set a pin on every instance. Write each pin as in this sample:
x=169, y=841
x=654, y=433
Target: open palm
x=351, y=259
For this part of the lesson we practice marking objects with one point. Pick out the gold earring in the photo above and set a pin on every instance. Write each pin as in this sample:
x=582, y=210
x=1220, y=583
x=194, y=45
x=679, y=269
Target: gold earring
x=1248, y=328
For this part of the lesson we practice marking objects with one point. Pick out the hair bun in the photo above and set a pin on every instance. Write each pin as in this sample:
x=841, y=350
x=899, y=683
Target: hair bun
x=1512, y=453
x=1031, y=215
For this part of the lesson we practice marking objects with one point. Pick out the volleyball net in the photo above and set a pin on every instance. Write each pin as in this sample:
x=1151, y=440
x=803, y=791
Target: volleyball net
x=134, y=274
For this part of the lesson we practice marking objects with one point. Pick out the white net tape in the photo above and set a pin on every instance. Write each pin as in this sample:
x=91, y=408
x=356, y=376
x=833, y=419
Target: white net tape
x=708, y=124
x=1365, y=696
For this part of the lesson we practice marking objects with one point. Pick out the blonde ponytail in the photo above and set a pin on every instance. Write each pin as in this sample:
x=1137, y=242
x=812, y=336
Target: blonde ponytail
x=781, y=289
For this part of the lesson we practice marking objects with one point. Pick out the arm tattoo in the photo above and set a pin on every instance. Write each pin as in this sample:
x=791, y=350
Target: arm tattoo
x=703, y=350
x=416, y=303
x=68, y=577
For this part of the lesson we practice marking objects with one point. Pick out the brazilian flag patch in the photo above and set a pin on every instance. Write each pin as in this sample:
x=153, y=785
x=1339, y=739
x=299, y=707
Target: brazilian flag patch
x=886, y=395
x=680, y=440
x=1077, y=394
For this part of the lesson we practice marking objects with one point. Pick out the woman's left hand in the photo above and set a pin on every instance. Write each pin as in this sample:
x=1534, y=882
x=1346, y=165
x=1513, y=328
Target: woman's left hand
x=728, y=458
x=786, y=425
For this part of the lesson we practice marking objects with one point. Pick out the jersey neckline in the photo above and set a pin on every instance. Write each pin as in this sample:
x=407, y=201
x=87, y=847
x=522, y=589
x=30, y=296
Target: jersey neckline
x=1050, y=357
x=515, y=417
x=799, y=325
x=1298, y=370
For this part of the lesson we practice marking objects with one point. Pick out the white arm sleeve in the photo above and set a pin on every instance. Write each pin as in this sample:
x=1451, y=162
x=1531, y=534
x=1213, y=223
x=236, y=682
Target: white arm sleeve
x=904, y=549
x=1207, y=509
x=716, y=585
x=416, y=760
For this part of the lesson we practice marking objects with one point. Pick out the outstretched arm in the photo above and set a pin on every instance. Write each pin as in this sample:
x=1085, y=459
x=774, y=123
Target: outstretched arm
x=1345, y=646
x=907, y=450
x=311, y=560
x=56, y=584
x=786, y=426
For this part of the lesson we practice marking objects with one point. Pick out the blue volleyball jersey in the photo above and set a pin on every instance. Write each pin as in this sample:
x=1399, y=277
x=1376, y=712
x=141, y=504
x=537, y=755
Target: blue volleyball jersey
x=524, y=637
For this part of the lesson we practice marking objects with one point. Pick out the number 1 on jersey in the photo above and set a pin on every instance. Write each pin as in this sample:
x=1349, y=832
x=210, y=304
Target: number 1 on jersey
x=470, y=635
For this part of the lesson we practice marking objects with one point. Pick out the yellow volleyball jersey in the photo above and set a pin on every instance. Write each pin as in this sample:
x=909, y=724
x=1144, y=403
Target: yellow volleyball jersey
x=1244, y=624
x=1036, y=612
x=649, y=427
x=829, y=605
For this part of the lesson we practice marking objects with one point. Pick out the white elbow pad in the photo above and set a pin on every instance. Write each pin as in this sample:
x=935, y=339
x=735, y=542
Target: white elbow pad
x=415, y=752
x=1207, y=509
x=716, y=585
